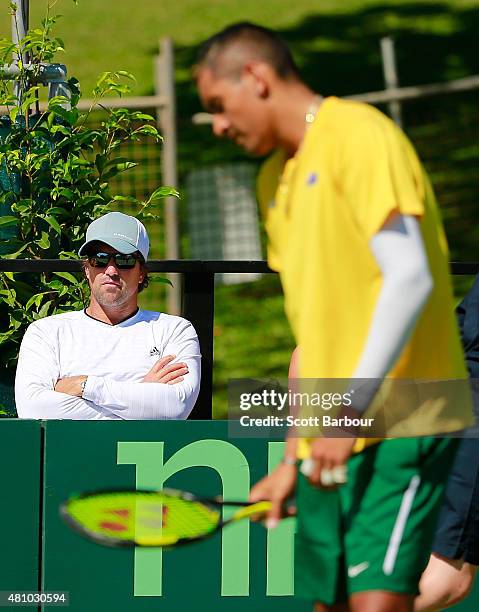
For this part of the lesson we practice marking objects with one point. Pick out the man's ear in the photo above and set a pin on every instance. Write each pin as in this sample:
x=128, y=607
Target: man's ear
x=261, y=75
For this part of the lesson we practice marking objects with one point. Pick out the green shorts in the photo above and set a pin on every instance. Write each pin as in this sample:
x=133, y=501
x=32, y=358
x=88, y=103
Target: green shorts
x=373, y=533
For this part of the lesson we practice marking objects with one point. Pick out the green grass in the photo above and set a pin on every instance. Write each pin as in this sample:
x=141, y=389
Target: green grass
x=252, y=338
x=115, y=34
x=336, y=43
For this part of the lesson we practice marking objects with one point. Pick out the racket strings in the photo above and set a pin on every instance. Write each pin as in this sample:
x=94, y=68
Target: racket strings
x=143, y=517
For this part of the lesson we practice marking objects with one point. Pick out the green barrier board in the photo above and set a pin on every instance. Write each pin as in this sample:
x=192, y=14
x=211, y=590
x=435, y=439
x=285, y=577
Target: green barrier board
x=19, y=504
x=244, y=568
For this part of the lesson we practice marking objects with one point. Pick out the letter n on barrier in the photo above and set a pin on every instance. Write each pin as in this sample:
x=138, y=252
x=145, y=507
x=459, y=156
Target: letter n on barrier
x=280, y=546
x=151, y=472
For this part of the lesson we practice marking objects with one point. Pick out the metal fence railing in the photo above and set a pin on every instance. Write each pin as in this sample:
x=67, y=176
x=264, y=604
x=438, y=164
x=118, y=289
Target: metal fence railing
x=198, y=299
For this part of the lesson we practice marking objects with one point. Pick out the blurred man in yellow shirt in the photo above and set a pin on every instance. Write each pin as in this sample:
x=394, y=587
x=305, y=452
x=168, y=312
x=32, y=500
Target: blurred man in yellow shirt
x=355, y=235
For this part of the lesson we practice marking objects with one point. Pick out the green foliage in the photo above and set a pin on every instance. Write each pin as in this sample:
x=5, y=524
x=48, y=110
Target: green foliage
x=54, y=180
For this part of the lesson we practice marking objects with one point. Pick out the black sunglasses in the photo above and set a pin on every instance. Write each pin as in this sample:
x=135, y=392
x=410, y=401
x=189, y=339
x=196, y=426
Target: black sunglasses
x=122, y=261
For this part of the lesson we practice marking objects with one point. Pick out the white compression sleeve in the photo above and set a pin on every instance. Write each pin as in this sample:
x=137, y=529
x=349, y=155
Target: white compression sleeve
x=399, y=251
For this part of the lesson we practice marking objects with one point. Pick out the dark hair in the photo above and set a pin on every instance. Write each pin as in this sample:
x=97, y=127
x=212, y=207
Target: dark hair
x=146, y=281
x=262, y=43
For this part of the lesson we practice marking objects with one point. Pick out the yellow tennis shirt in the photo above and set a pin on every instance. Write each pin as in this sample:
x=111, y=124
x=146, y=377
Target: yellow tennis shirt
x=321, y=207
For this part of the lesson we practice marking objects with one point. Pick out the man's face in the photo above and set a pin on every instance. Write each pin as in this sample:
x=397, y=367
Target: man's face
x=110, y=286
x=239, y=112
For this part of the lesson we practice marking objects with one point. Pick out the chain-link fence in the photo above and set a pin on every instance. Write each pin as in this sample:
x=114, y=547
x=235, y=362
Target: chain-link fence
x=445, y=131
x=139, y=182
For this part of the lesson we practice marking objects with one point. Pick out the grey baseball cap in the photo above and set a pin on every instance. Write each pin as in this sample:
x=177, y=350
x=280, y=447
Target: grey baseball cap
x=122, y=232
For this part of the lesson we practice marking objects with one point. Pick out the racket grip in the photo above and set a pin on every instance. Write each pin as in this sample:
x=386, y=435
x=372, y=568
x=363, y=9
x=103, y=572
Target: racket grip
x=259, y=508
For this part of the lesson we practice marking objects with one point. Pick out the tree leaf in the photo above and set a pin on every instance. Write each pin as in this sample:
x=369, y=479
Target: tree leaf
x=126, y=74
x=8, y=221
x=8, y=296
x=149, y=130
x=55, y=285
x=120, y=198
x=35, y=299
x=57, y=210
x=67, y=276
x=14, y=113
x=43, y=242
x=44, y=309
x=17, y=253
x=143, y=116
x=116, y=160
x=160, y=279
x=163, y=192
x=100, y=161
x=111, y=172
x=53, y=223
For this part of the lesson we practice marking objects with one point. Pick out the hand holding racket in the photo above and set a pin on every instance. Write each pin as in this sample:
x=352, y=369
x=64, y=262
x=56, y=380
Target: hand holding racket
x=127, y=518
x=277, y=487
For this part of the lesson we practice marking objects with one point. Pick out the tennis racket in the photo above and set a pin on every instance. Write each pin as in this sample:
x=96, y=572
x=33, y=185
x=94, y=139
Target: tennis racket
x=166, y=518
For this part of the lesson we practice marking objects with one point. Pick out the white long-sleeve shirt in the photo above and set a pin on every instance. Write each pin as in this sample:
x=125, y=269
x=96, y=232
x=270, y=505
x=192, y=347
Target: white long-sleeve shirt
x=115, y=358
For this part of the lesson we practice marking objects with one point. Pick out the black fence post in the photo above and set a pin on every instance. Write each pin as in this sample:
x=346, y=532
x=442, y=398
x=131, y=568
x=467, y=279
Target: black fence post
x=198, y=307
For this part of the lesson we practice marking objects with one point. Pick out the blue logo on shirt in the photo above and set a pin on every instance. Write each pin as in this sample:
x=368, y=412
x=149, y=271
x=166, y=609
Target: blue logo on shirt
x=312, y=178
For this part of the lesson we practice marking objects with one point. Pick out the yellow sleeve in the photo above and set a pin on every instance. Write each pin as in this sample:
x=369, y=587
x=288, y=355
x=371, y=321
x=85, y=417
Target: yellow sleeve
x=267, y=181
x=266, y=186
x=381, y=174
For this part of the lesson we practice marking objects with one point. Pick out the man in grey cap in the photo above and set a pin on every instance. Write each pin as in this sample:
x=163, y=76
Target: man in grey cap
x=111, y=360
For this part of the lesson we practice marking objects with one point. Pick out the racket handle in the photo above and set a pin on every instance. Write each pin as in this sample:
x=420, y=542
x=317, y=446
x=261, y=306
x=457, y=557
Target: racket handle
x=261, y=507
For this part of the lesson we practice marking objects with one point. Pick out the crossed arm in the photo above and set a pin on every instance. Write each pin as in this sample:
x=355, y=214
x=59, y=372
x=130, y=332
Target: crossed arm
x=162, y=372
x=132, y=401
